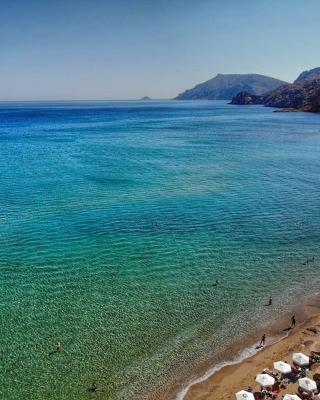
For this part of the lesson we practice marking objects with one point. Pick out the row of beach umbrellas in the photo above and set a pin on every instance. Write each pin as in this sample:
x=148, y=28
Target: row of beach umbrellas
x=243, y=395
x=266, y=380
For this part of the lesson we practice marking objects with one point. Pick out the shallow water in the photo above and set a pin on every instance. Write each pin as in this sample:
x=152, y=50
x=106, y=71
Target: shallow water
x=118, y=217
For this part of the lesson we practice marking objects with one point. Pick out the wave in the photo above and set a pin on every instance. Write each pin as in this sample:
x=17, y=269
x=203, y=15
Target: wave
x=243, y=355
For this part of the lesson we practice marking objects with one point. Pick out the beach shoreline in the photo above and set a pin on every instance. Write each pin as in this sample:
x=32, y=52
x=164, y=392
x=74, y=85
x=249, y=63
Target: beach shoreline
x=223, y=380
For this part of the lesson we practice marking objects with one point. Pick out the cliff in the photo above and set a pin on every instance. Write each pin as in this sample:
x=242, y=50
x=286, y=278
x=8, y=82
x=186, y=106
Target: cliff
x=302, y=95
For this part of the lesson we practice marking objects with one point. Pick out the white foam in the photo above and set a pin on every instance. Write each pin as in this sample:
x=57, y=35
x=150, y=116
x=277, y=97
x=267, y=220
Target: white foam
x=246, y=353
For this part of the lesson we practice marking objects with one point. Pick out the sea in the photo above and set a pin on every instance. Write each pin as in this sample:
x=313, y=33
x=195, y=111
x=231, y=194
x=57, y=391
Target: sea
x=146, y=237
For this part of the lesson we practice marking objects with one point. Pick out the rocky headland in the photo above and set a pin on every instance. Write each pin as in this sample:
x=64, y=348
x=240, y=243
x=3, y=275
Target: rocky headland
x=302, y=95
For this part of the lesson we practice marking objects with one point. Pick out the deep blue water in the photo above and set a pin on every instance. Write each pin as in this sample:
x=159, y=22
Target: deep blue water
x=118, y=217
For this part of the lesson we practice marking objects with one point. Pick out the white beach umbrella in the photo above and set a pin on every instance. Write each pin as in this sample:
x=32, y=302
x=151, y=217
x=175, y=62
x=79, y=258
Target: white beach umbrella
x=243, y=395
x=307, y=384
x=300, y=359
x=265, y=380
x=282, y=367
x=291, y=397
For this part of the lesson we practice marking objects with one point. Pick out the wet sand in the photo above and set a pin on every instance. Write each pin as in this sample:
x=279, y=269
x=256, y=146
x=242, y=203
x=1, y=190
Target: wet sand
x=223, y=384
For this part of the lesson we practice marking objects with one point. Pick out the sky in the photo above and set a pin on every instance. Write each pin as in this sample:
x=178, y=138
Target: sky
x=126, y=49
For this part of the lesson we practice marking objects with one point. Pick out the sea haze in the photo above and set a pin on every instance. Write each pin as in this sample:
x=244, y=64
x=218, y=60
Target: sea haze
x=116, y=220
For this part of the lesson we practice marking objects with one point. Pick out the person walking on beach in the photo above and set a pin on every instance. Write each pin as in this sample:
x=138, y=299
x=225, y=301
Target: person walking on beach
x=263, y=340
x=293, y=322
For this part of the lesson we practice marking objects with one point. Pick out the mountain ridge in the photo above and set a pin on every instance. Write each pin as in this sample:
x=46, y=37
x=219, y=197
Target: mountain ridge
x=225, y=86
x=309, y=75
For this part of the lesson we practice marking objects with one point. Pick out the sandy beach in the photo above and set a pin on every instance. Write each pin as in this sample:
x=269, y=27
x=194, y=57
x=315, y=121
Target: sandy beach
x=232, y=378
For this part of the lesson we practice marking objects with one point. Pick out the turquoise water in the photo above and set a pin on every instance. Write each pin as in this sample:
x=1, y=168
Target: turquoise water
x=117, y=217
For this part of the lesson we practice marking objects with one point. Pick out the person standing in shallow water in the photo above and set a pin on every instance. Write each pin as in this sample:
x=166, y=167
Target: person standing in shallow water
x=94, y=387
x=58, y=347
x=270, y=301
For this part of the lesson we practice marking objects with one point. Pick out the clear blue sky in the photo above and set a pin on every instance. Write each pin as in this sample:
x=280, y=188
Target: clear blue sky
x=121, y=49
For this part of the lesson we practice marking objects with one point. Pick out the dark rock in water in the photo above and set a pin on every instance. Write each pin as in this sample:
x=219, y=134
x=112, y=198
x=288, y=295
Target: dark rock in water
x=245, y=98
x=311, y=75
x=224, y=87
x=287, y=110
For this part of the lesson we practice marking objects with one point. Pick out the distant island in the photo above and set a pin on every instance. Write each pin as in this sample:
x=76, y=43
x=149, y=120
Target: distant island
x=145, y=98
x=301, y=95
x=226, y=86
